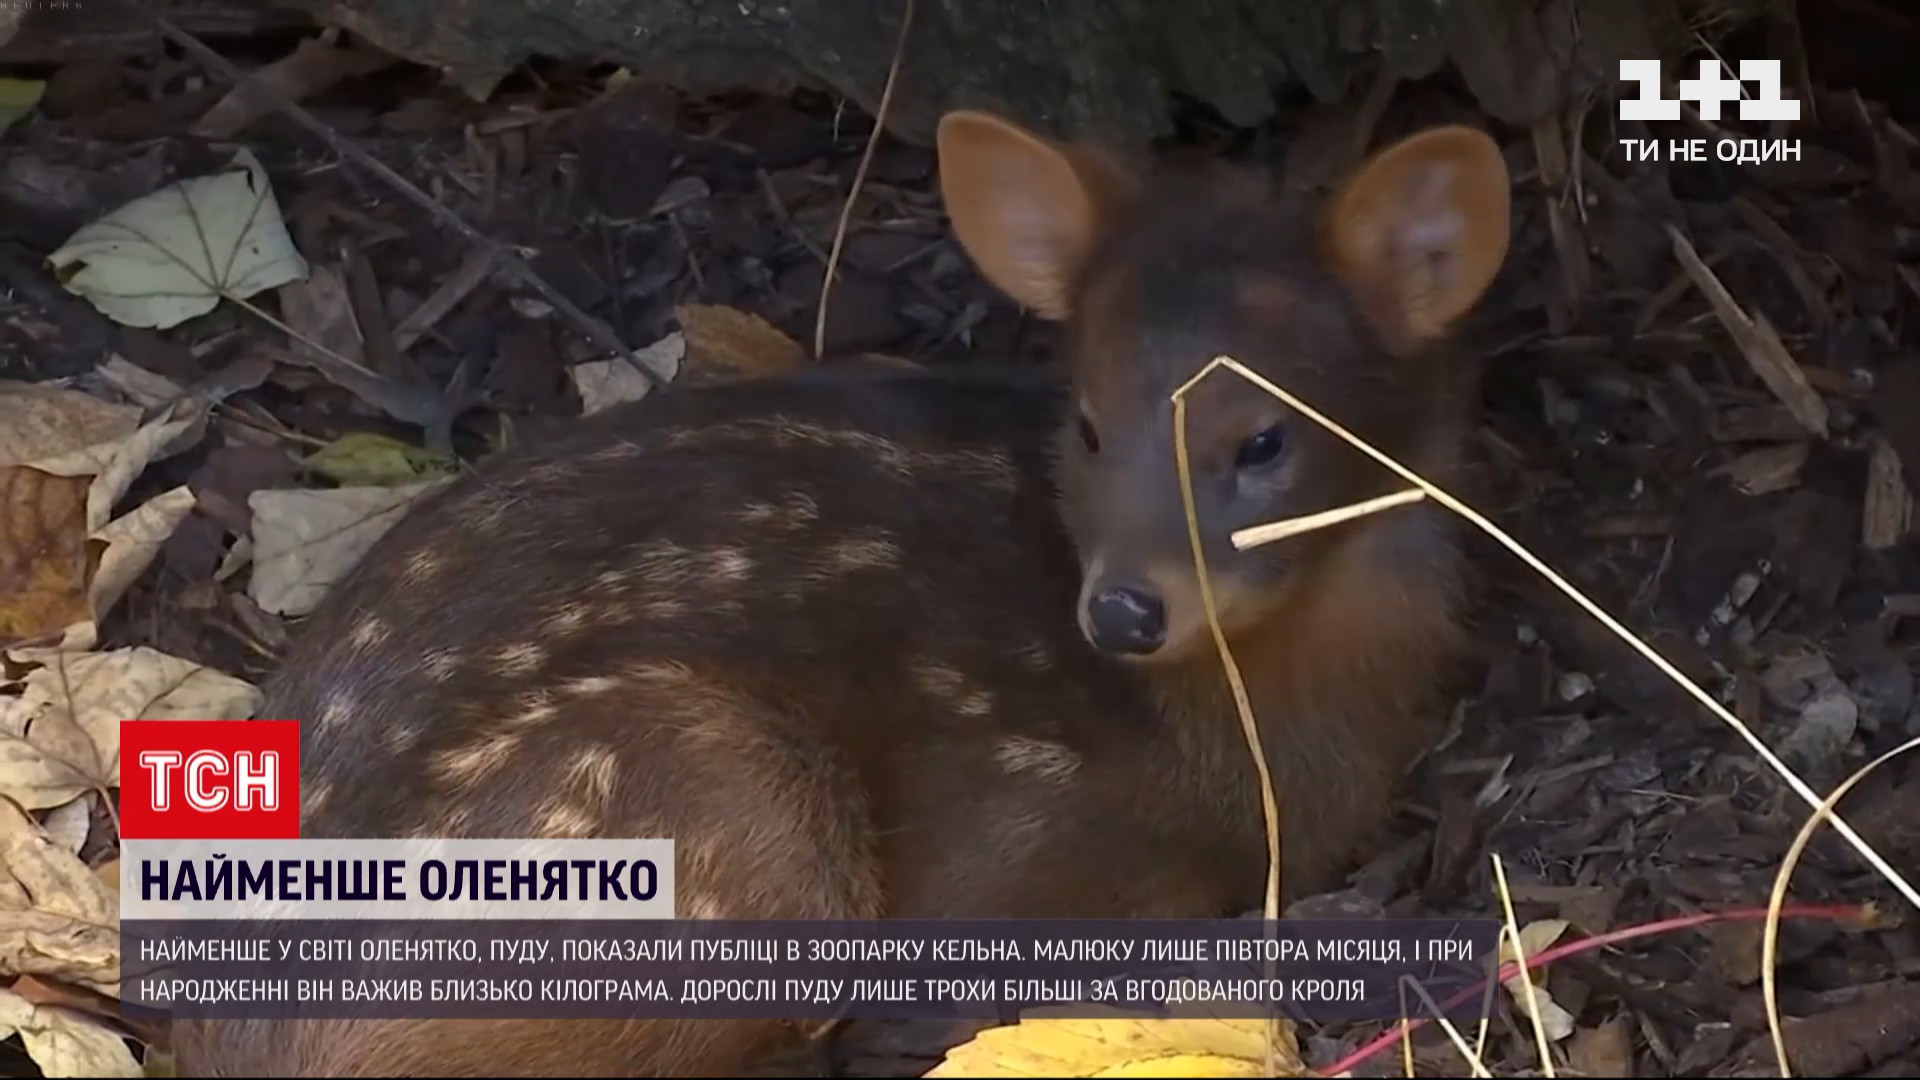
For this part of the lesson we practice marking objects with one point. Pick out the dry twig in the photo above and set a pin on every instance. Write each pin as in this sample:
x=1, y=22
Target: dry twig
x=859, y=178
x=503, y=254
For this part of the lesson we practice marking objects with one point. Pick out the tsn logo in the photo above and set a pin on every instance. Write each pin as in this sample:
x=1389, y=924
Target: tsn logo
x=210, y=779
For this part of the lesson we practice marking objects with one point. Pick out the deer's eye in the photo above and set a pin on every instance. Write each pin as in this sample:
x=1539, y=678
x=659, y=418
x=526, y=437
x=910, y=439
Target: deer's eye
x=1262, y=449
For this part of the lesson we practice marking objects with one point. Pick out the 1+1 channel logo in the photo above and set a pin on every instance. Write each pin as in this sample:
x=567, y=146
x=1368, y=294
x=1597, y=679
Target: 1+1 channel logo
x=1708, y=93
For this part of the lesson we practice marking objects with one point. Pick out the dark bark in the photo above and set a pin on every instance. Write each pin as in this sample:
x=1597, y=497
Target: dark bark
x=1103, y=68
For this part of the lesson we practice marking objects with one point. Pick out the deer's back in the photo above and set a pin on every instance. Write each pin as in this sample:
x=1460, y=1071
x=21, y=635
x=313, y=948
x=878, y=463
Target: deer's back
x=805, y=628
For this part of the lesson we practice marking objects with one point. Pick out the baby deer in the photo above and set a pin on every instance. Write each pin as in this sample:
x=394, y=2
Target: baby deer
x=926, y=646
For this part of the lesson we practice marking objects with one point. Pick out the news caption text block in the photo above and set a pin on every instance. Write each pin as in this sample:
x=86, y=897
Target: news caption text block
x=228, y=882
x=1322, y=970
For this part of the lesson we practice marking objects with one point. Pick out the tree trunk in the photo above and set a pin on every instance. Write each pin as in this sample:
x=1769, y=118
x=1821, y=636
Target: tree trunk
x=1101, y=68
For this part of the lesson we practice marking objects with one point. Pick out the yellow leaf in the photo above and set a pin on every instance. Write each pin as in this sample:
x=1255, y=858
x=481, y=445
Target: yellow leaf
x=1185, y=1065
x=1122, y=1044
x=739, y=341
x=1535, y=937
x=363, y=459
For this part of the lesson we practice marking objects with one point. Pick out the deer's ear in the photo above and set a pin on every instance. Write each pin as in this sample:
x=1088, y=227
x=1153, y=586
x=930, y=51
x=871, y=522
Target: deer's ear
x=1421, y=229
x=1026, y=208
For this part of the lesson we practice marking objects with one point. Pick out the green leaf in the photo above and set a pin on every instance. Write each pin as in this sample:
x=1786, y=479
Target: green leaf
x=364, y=459
x=18, y=97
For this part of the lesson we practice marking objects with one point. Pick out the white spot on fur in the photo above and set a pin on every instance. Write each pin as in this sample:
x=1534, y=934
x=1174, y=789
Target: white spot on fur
x=664, y=607
x=313, y=799
x=868, y=551
x=476, y=761
x=486, y=509
x=796, y=511
x=1034, y=656
x=664, y=672
x=522, y=659
x=661, y=564
x=1049, y=760
x=369, y=632
x=420, y=567
x=594, y=771
x=728, y=566
x=802, y=507
x=440, y=664
x=940, y=681
x=452, y=823
x=561, y=818
x=398, y=738
x=592, y=684
x=977, y=703
x=535, y=709
x=336, y=712
x=937, y=679
x=568, y=620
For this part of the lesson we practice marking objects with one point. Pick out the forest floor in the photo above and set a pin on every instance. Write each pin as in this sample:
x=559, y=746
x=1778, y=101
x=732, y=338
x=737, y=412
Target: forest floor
x=1711, y=437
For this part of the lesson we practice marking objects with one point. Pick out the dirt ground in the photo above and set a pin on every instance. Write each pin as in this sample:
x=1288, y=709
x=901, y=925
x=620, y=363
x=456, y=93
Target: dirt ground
x=1731, y=480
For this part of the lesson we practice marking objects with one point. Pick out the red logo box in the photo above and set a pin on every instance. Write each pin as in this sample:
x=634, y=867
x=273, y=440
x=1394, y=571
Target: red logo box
x=210, y=779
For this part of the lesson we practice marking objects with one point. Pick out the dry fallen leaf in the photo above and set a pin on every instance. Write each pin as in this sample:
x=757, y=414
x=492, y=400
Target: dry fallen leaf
x=1121, y=1044
x=69, y=823
x=132, y=540
x=59, y=446
x=304, y=541
x=42, y=422
x=1606, y=1050
x=39, y=991
x=601, y=383
x=319, y=309
x=171, y=256
x=57, y=917
x=61, y=736
x=64, y=1042
x=148, y=389
x=44, y=558
x=1536, y=938
x=739, y=342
